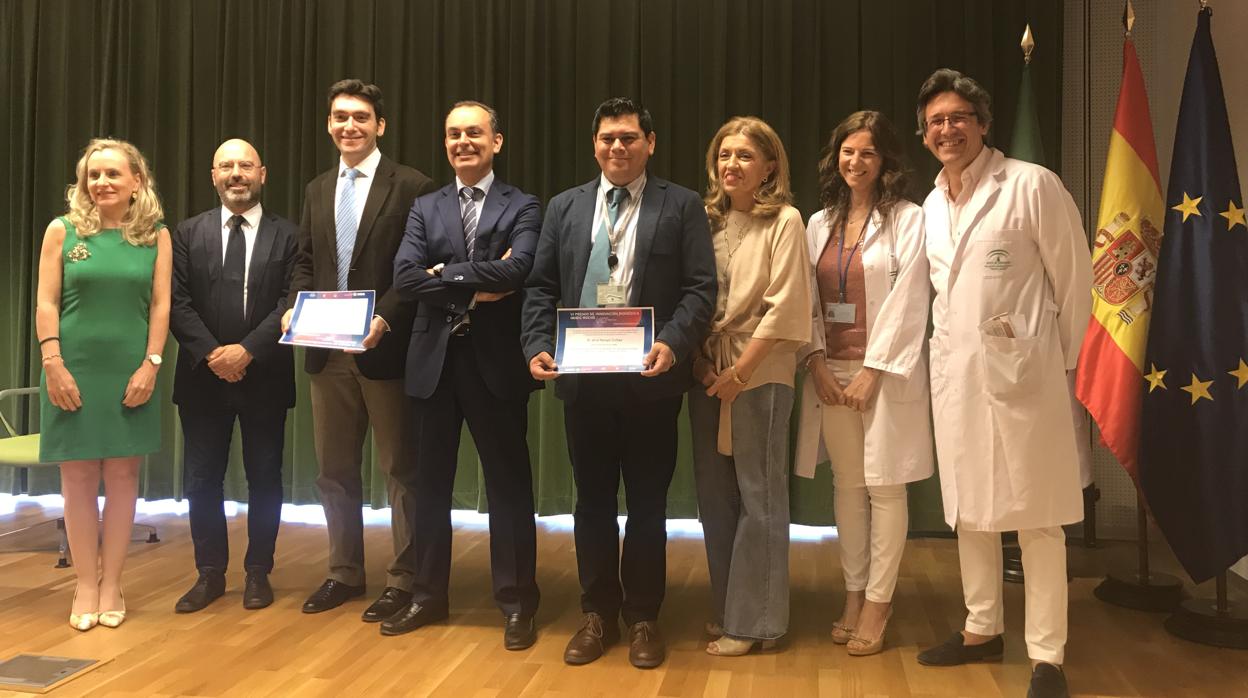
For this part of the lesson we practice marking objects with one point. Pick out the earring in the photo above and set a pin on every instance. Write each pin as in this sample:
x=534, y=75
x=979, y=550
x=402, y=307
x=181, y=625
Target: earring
x=134, y=196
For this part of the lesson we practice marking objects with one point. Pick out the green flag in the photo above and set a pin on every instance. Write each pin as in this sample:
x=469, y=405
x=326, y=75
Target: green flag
x=1025, y=144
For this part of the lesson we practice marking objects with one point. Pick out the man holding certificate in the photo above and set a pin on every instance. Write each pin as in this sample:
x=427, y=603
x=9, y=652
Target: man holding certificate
x=633, y=240
x=351, y=227
x=467, y=249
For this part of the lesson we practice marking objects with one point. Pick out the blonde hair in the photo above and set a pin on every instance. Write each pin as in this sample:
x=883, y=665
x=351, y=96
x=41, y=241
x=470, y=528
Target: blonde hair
x=138, y=225
x=775, y=192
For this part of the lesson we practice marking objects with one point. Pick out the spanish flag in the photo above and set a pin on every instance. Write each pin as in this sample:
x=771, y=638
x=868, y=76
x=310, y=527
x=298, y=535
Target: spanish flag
x=1124, y=265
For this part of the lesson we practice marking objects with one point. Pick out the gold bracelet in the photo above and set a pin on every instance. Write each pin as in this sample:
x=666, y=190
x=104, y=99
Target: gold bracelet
x=49, y=357
x=736, y=377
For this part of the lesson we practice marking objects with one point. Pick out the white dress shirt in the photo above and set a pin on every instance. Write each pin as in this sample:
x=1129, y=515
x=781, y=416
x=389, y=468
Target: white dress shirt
x=251, y=226
x=628, y=214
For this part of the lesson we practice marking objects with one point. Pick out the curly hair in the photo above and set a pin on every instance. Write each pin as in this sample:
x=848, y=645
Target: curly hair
x=894, y=179
x=949, y=80
x=776, y=191
x=139, y=224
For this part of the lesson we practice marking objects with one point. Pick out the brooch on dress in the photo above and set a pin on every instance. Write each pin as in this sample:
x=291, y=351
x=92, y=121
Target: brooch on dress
x=78, y=252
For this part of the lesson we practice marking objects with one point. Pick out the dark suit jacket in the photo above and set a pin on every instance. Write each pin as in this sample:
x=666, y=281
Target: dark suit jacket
x=193, y=314
x=510, y=220
x=372, y=262
x=673, y=270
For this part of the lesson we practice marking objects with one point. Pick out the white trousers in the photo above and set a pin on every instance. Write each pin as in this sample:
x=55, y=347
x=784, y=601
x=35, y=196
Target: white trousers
x=1044, y=564
x=871, y=522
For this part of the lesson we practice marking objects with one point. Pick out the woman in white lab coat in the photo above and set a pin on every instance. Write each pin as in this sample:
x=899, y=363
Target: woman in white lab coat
x=866, y=389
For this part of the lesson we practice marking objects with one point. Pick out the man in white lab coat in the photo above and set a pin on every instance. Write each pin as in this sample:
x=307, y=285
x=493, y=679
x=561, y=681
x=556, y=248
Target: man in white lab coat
x=1012, y=273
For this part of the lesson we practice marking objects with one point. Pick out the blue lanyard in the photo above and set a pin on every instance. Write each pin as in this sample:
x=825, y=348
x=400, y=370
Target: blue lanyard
x=843, y=272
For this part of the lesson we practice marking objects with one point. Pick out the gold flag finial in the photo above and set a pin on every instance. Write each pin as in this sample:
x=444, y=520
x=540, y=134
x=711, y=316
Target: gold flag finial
x=1128, y=18
x=1028, y=44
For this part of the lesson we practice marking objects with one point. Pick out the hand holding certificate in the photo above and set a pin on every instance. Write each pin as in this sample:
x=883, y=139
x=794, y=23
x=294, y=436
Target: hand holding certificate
x=603, y=340
x=331, y=319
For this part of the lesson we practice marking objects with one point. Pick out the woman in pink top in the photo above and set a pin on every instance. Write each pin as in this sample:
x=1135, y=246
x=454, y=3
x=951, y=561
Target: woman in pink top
x=866, y=392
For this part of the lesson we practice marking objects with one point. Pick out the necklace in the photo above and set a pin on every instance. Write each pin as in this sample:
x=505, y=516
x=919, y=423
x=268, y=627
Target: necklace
x=732, y=250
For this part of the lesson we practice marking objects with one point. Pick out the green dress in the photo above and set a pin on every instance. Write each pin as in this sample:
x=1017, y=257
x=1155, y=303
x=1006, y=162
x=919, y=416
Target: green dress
x=106, y=289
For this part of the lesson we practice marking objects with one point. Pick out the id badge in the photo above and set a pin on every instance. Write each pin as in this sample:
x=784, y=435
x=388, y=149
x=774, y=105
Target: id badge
x=842, y=313
x=610, y=295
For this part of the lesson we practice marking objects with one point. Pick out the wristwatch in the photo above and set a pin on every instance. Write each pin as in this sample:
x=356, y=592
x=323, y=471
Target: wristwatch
x=155, y=359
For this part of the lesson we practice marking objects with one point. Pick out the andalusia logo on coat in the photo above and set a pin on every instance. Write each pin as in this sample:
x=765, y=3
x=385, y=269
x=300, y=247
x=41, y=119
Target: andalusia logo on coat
x=998, y=259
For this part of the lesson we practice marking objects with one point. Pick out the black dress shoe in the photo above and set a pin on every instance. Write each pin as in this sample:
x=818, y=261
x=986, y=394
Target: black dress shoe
x=411, y=617
x=390, y=602
x=519, y=632
x=953, y=652
x=208, y=588
x=256, y=591
x=592, y=640
x=646, y=648
x=331, y=594
x=1047, y=681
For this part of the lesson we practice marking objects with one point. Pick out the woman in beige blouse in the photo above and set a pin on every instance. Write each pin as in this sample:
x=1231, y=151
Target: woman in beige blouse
x=740, y=415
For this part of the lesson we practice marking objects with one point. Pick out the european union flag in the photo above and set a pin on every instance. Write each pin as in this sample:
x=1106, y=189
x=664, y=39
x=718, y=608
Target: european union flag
x=1194, y=448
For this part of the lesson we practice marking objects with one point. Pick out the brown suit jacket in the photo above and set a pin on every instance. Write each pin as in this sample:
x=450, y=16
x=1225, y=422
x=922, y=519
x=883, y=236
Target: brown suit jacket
x=372, y=263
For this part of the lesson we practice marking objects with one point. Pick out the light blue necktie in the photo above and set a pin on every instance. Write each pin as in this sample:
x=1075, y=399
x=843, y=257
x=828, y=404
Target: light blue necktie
x=598, y=271
x=346, y=225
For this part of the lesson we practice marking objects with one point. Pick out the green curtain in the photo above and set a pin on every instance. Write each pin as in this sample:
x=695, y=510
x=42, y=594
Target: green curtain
x=177, y=77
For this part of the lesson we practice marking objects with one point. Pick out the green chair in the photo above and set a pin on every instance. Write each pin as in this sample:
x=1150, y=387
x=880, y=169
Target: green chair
x=22, y=451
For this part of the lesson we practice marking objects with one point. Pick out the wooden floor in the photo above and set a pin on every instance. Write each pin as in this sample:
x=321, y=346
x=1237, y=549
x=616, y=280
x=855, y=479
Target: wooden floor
x=227, y=651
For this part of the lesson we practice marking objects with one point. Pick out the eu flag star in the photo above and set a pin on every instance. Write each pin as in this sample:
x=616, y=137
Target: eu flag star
x=1188, y=207
x=1155, y=378
x=1199, y=389
x=1241, y=373
x=1234, y=216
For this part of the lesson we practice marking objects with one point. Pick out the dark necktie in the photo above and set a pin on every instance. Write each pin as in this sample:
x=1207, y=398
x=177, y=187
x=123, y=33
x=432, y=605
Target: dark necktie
x=468, y=196
x=233, y=279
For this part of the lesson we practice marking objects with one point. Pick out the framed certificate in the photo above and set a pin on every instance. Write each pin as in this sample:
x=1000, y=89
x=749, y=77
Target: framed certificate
x=603, y=340
x=331, y=319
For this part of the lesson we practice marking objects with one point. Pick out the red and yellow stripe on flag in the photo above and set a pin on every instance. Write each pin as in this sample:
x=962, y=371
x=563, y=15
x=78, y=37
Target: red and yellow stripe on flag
x=1124, y=265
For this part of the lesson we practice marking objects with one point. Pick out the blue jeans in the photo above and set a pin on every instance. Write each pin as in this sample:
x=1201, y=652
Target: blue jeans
x=743, y=501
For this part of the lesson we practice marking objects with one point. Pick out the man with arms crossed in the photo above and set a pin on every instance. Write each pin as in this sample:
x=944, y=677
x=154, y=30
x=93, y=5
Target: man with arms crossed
x=648, y=241
x=1012, y=273
x=351, y=226
x=468, y=248
x=232, y=266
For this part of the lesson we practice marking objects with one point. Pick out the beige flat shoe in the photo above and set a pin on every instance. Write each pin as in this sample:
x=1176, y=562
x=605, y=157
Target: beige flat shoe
x=727, y=646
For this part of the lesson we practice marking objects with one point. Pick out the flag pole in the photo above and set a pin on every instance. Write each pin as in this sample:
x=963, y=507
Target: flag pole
x=1011, y=551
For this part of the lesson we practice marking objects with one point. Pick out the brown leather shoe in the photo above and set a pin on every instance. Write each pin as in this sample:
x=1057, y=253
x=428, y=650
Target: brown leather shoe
x=592, y=640
x=645, y=645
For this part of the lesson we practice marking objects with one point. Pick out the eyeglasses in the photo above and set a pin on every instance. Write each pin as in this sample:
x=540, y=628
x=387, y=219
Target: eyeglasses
x=625, y=139
x=246, y=167
x=957, y=119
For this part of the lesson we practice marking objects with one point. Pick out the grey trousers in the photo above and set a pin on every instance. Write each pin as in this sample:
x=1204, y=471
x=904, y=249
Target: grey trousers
x=743, y=501
x=344, y=405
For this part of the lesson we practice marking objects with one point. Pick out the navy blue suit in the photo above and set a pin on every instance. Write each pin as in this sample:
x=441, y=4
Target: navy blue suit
x=478, y=375
x=209, y=406
x=624, y=425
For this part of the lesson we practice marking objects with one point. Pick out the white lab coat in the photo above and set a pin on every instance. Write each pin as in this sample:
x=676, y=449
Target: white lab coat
x=897, y=429
x=1005, y=439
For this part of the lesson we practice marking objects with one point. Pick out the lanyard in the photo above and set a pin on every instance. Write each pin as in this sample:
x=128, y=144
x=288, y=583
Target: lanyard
x=616, y=233
x=843, y=272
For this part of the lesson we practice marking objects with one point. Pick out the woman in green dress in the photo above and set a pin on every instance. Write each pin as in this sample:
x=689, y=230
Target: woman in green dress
x=102, y=315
